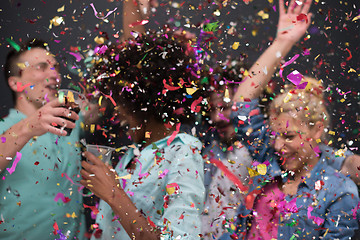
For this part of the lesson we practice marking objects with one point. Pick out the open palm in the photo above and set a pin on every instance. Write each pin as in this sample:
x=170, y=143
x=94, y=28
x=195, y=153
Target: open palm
x=293, y=21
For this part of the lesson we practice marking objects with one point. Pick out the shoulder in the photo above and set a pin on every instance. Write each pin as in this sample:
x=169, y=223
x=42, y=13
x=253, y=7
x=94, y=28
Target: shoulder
x=13, y=117
x=335, y=182
x=183, y=146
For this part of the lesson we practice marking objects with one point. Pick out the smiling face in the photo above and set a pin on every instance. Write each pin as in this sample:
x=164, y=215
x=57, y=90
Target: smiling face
x=294, y=140
x=39, y=72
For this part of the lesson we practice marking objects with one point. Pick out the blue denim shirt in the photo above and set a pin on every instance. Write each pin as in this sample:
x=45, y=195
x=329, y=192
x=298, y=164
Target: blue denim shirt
x=332, y=206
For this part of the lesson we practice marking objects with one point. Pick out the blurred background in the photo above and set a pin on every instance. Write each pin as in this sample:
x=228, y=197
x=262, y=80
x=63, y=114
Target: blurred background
x=74, y=27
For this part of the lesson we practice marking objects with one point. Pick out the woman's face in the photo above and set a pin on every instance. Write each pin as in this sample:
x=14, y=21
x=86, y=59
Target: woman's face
x=132, y=125
x=294, y=141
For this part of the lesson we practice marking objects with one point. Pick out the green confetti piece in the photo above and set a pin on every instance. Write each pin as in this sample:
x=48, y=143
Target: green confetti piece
x=292, y=238
x=77, y=88
x=61, y=97
x=205, y=80
x=211, y=27
x=13, y=44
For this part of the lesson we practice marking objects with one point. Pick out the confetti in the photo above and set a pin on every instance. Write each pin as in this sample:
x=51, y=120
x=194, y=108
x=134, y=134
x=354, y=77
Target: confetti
x=17, y=159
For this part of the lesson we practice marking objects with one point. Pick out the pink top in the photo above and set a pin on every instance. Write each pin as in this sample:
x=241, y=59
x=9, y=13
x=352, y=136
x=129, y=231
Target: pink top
x=266, y=213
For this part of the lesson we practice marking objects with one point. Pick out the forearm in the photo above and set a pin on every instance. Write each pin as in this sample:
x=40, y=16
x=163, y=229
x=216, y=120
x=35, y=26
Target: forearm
x=15, y=139
x=261, y=71
x=134, y=223
x=131, y=15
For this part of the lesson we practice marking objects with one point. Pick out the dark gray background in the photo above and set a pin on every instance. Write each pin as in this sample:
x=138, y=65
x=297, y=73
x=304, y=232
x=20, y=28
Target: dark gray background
x=332, y=33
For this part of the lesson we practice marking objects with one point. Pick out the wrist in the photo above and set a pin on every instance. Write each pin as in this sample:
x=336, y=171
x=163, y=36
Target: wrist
x=116, y=194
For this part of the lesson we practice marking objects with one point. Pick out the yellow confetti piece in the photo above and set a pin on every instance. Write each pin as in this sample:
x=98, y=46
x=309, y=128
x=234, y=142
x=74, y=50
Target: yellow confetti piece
x=147, y=134
x=100, y=99
x=340, y=152
x=252, y=172
x=254, y=32
x=263, y=14
x=170, y=190
x=331, y=132
x=351, y=70
x=92, y=128
x=318, y=140
x=56, y=21
x=356, y=18
x=124, y=177
x=342, y=100
x=262, y=169
x=22, y=66
x=191, y=91
x=288, y=97
x=70, y=97
x=235, y=45
x=99, y=40
x=61, y=9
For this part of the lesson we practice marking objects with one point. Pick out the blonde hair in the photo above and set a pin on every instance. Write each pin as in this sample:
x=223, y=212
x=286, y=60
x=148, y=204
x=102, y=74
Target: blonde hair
x=308, y=103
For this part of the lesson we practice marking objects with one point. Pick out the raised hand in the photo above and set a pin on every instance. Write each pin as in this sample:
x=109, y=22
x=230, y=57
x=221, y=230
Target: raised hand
x=145, y=7
x=51, y=118
x=293, y=21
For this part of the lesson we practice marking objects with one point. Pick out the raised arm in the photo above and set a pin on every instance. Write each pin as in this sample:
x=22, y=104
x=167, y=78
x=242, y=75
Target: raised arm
x=292, y=25
x=133, y=13
x=42, y=121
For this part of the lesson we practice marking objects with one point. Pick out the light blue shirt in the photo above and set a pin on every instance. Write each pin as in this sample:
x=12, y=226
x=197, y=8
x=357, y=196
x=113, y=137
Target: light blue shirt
x=27, y=196
x=159, y=165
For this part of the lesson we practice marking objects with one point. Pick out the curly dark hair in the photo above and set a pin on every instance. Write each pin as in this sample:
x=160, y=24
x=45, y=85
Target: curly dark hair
x=153, y=75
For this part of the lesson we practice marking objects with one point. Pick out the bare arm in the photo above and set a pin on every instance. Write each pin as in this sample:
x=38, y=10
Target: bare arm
x=289, y=31
x=39, y=123
x=133, y=13
x=351, y=167
x=102, y=182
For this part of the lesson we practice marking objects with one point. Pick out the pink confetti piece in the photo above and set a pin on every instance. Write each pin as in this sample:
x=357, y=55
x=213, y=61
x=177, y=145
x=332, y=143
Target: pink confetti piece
x=287, y=64
x=96, y=12
x=306, y=52
x=100, y=49
x=302, y=85
x=21, y=88
x=3, y=139
x=173, y=135
x=141, y=174
x=17, y=159
x=317, y=220
x=295, y=77
x=163, y=174
x=62, y=197
x=143, y=22
x=76, y=55
x=317, y=151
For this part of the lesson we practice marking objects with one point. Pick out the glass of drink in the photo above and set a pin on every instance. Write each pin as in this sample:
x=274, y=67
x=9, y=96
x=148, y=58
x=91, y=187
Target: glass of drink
x=73, y=101
x=104, y=153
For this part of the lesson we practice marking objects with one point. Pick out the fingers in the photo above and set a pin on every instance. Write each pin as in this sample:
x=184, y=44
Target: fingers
x=291, y=6
x=306, y=7
x=65, y=113
x=281, y=7
x=92, y=159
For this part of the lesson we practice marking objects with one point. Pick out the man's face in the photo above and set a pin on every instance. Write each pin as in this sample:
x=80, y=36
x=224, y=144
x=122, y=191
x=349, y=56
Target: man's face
x=39, y=72
x=220, y=114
